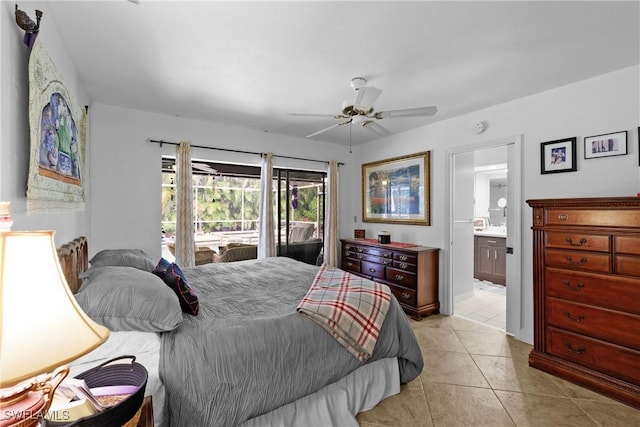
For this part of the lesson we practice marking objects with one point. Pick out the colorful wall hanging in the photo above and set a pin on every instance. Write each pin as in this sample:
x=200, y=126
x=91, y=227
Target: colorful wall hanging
x=58, y=140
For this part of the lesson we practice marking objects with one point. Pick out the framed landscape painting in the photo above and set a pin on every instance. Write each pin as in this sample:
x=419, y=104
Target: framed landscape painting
x=397, y=190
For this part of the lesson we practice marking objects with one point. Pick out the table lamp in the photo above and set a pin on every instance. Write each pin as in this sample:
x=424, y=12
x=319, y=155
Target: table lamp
x=41, y=326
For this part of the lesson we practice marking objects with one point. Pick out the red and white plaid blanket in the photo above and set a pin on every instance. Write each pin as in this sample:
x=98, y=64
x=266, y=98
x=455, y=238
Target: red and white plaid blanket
x=349, y=307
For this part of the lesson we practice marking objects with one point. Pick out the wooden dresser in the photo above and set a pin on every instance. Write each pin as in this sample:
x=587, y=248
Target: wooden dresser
x=410, y=272
x=586, y=283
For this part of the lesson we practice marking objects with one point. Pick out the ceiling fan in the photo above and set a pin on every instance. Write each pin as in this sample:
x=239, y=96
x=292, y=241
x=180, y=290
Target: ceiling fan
x=360, y=111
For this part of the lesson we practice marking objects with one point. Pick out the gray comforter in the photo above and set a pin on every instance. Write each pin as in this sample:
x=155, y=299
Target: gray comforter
x=249, y=352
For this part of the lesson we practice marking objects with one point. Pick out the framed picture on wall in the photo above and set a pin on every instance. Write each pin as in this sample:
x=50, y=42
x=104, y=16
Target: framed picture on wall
x=608, y=144
x=397, y=190
x=558, y=156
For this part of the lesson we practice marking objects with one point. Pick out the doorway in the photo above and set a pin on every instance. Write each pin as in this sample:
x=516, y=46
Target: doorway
x=472, y=213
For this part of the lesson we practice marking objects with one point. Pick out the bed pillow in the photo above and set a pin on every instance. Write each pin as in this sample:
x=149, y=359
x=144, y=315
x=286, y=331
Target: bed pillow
x=129, y=299
x=173, y=276
x=136, y=258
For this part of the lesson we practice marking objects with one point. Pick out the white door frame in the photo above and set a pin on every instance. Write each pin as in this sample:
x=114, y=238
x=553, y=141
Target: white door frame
x=514, y=234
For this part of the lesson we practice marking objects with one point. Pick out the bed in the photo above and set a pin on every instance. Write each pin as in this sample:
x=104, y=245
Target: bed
x=248, y=357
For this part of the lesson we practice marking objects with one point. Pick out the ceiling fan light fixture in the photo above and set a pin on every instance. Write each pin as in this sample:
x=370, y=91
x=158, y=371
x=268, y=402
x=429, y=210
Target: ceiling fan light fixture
x=347, y=108
x=358, y=82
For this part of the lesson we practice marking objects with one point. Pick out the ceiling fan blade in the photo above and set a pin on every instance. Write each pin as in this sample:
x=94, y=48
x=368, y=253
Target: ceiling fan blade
x=327, y=129
x=312, y=115
x=375, y=127
x=407, y=112
x=366, y=97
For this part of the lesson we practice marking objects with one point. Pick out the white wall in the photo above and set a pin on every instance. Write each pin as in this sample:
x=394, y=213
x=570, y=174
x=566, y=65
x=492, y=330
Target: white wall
x=607, y=103
x=126, y=169
x=14, y=118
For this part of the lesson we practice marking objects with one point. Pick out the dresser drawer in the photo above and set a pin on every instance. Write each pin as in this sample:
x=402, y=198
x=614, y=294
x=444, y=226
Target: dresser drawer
x=587, y=261
x=611, y=359
x=404, y=266
x=349, y=264
x=608, y=325
x=589, y=242
x=593, y=217
x=372, y=269
x=375, y=258
x=405, y=257
x=377, y=252
x=627, y=244
x=618, y=293
x=406, y=296
x=628, y=265
x=401, y=277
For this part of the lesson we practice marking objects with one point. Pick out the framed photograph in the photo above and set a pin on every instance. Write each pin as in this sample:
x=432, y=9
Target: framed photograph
x=558, y=156
x=609, y=144
x=397, y=190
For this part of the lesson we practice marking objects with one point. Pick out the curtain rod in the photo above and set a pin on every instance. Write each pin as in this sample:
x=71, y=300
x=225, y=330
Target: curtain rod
x=238, y=151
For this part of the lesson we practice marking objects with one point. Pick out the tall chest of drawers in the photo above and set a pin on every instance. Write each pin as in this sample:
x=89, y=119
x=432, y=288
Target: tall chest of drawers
x=586, y=283
x=410, y=272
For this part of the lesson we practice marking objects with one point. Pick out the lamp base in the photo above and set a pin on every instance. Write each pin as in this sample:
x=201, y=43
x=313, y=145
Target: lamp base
x=26, y=403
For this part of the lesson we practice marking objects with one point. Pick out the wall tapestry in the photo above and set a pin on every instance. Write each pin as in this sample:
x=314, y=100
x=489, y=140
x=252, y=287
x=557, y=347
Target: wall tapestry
x=58, y=140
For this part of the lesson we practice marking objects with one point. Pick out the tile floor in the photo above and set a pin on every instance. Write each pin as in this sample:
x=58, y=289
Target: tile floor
x=475, y=375
x=487, y=306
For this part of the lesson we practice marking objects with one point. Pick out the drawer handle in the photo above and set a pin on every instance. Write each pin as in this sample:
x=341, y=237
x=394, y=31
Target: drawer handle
x=386, y=254
x=359, y=256
x=358, y=249
x=570, y=241
x=399, y=277
x=491, y=241
x=563, y=217
x=403, y=258
x=386, y=262
x=406, y=295
x=372, y=270
x=350, y=264
x=578, y=286
x=579, y=318
x=348, y=248
x=403, y=265
x=578, y=350
x=582, y=260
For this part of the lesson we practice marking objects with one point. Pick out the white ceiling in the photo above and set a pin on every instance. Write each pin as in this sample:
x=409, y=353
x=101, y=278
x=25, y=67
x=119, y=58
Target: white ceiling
x=250, y=64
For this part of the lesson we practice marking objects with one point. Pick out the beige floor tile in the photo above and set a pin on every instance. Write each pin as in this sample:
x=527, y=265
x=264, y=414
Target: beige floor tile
x=459, y=324
x=432, y=321
x=455, y=406
x=575, y=391
x=531, y=410
x=452, y=368
x=438, y=339
x=493, y=343
x=610, y=413
x=514, y=374
x=406, y=409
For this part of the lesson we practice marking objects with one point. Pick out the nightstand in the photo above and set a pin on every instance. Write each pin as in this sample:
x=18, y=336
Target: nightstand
x=146, y=415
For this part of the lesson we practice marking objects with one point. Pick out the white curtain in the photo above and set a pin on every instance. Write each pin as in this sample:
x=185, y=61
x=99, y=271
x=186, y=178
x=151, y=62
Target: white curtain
x=266, y=233
x=331, y=220
x=185, y=244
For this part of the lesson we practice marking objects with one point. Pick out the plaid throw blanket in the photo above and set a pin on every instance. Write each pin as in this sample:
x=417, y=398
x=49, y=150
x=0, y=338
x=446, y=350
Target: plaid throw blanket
x=349, y=307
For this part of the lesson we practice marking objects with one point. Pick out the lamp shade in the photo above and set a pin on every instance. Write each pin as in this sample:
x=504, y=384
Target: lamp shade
x=41, y=324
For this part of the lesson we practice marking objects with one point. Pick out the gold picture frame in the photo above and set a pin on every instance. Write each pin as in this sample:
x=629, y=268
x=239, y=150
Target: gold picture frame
x=398, y=190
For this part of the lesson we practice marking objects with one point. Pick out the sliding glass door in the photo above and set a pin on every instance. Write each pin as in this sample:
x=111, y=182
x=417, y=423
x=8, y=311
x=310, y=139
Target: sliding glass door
x=300, y=210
